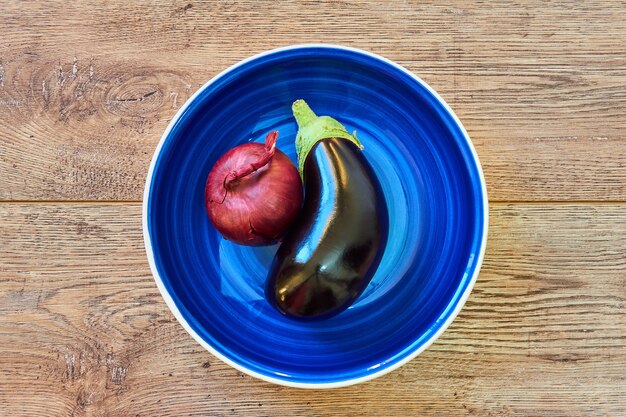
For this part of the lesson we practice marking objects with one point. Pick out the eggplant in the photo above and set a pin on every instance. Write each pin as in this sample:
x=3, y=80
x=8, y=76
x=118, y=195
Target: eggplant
x=331, y=253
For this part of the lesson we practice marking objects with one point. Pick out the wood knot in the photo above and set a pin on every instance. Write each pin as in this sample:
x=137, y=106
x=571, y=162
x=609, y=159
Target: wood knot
x=135, y=98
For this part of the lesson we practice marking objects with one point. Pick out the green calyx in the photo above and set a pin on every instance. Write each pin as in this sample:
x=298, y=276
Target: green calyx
x=313, y=128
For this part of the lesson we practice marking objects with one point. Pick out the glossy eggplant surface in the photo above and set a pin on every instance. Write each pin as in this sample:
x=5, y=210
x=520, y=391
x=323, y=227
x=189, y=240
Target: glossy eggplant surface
x=332, y=252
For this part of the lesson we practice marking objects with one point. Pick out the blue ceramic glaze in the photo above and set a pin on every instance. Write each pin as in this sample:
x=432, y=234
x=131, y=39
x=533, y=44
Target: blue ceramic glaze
x=433, y=187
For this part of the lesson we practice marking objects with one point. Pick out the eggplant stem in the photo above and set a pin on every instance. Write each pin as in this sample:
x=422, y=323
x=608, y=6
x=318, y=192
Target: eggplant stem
x=303, y=113
x=313, y=128
x=264, y=159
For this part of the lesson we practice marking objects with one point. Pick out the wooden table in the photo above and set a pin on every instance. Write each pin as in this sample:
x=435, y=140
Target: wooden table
x=86, y=91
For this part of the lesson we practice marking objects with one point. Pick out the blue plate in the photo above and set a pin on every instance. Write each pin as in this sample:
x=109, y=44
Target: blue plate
x=433, y=185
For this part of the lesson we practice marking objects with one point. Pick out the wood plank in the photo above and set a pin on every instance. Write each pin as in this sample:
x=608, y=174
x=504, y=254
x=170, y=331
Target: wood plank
x=87, y=90
x=83, y=330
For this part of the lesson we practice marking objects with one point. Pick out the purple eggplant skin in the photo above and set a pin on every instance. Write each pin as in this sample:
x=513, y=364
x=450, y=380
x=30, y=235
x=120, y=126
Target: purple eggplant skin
x=333, y=250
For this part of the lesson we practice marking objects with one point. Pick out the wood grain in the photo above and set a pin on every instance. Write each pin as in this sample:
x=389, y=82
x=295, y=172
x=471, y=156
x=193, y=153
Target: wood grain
x=84, y=332
x=86, y=90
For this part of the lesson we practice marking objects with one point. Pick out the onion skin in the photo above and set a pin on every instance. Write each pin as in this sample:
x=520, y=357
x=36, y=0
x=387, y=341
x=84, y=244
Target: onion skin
x=253, y=193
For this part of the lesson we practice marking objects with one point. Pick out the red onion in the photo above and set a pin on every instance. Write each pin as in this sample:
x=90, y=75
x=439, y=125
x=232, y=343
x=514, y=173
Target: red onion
x=253, y=193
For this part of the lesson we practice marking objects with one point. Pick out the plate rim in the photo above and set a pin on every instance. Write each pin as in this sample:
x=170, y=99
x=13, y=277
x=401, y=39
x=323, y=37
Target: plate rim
x=172, y=305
